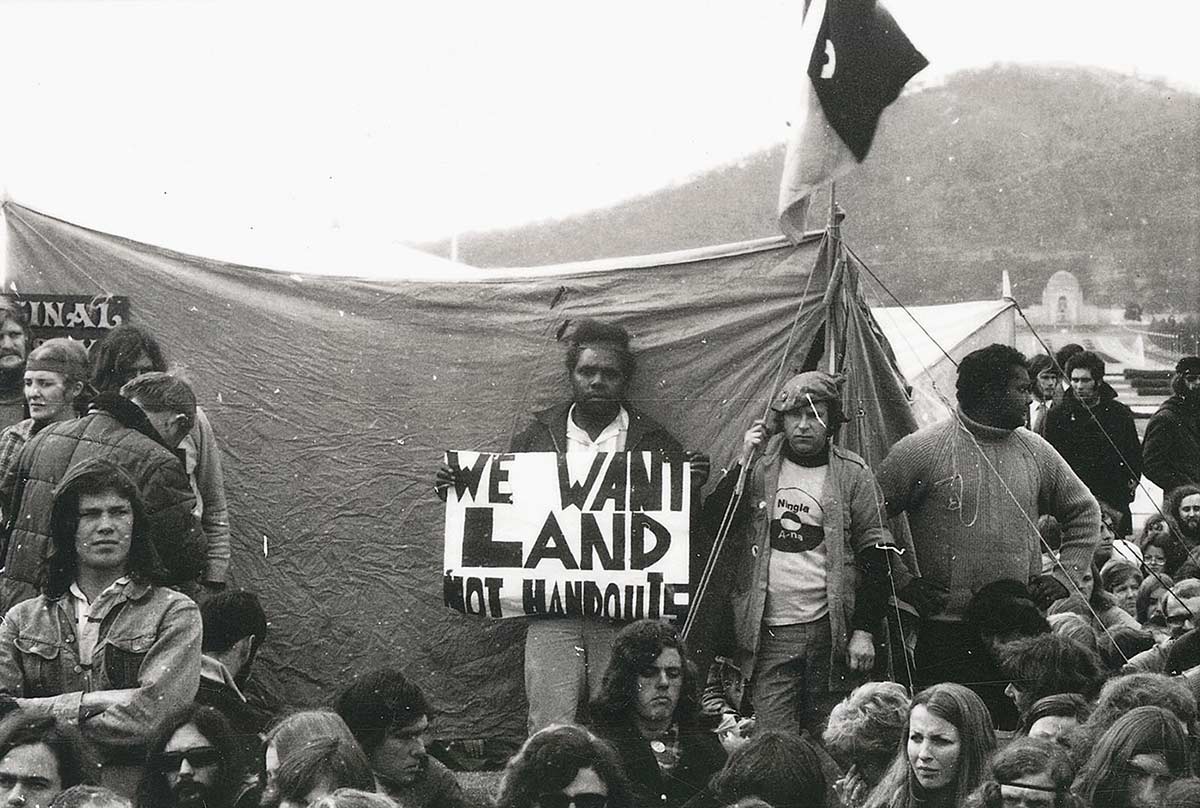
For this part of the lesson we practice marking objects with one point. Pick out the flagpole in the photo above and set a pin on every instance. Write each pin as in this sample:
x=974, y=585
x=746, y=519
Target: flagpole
x=833, y=232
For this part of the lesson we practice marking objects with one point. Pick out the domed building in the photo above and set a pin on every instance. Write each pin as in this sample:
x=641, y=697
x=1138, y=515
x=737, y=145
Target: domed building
x=1062, y=299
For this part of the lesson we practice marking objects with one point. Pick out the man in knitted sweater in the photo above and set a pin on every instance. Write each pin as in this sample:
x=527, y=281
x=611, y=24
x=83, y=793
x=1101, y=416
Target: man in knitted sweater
x=973, y=487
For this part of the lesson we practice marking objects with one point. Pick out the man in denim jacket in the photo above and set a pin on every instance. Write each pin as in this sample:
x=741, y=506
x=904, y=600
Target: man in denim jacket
x=104, y=648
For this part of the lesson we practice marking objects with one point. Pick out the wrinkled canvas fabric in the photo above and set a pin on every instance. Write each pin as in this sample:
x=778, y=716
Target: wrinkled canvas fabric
x=333, y=399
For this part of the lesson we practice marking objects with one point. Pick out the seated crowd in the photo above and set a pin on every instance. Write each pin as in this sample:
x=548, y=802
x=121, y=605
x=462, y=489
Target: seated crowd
x=124, y=659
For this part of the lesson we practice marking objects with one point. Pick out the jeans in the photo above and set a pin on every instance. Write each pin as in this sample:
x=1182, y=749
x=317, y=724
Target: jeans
x=565, y=660
x=790, y=688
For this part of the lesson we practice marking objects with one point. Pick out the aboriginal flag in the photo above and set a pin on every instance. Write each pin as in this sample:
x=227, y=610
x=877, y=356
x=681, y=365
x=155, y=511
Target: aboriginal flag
x=858, y=62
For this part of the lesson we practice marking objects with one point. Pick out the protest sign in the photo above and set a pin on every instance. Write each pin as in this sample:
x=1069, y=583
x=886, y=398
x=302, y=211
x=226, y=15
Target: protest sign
x=578, y=534
x=81, y=317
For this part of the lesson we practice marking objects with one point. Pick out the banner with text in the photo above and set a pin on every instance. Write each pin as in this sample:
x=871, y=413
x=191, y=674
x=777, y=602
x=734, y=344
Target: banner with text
x=579, y=534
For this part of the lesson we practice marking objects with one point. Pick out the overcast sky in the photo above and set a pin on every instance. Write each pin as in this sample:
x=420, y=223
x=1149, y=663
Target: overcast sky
x=293, y=134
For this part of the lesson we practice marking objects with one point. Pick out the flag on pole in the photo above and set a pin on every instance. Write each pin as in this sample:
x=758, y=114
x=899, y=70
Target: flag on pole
x=858, y=62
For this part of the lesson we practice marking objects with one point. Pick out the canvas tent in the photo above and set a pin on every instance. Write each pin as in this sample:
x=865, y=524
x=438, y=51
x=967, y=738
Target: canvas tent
x=930, y=340
x=333, y=398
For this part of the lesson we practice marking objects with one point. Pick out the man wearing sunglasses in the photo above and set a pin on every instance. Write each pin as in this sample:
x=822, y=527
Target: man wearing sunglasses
x=193, y=762
x=104, y=648
x=1171, y=452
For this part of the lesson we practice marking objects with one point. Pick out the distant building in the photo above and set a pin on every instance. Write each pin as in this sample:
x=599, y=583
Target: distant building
x=1063, y=305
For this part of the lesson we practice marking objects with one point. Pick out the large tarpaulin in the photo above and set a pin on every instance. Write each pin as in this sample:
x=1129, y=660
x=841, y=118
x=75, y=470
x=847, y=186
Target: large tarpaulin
x=334, y=398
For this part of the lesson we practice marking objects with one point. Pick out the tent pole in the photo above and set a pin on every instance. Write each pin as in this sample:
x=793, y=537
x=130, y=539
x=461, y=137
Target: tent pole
x=833, y=232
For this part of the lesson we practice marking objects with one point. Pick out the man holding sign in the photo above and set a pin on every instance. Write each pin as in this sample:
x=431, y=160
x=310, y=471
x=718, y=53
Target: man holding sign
x=565, y=656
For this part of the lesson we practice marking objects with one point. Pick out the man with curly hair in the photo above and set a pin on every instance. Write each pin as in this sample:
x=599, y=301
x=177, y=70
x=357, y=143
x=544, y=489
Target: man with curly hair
x=973, y=486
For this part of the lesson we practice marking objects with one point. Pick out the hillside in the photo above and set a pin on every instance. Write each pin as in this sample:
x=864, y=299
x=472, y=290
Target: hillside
x=1027, y=169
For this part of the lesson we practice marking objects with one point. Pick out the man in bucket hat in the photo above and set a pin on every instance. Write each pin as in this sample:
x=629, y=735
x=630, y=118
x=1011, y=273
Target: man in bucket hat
x=808, y=575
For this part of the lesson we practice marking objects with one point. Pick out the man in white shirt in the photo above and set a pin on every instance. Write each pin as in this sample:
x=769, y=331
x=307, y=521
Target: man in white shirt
x=565, y=657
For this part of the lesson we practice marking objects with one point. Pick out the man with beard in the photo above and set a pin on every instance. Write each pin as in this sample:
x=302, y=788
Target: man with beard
x=973, y=486
x=1095, y=434
x=1183, y=515
x=566, y=656
x=389, y=717
x=1172, y=447
x=14, y=347
x=193, y=762
x=648, y=711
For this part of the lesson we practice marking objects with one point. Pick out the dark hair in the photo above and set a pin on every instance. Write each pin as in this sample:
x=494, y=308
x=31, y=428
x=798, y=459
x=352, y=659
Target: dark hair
x=634, y=649
x=1122, y=643
x=1089, y=361
x=1152, y=586
x=1021, y=758
x=779, y=767
x=114, y=354
x=1057, y=705
x=76, y=761
x=551, y=758
x=1051, y=663
x=92, y=477
x=162, y=392
x=964, y=709
x=378, y=701
x=1050, y=531
x=985, y=373
x=1183, y=793
x=230, y=616
x=1005, y=608
x=88, y=796
x=592, y=332
x=1103, y=779
x=1121, y=694
x=1039, y=363
x=1171, y=502
x=322, y=761
x=1063, y=354
x=216, y=729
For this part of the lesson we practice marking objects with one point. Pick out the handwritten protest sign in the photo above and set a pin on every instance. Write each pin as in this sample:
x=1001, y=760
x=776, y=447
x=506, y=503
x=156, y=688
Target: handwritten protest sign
x=577, y=534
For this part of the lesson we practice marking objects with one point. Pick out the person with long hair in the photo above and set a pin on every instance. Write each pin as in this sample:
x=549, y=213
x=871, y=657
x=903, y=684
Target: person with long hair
x=195, y=759
x=1135, y=760
x=293, y=732
x=648, y=710
x=564, y=765
x=104, y=643
x=1126, y=693
x=55, y=381
x=943, y=752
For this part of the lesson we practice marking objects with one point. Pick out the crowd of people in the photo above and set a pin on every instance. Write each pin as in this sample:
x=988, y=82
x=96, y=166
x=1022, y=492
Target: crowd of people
x=1012, y=641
